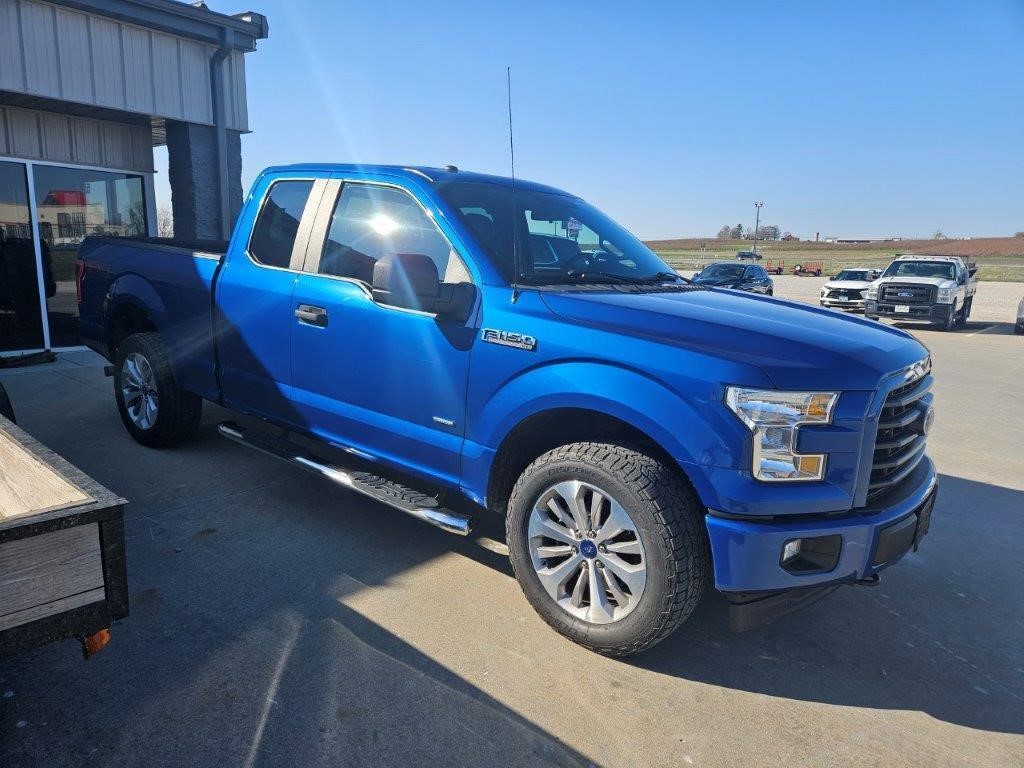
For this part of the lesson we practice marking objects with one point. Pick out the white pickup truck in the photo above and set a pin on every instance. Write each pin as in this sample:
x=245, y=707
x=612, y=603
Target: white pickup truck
x=929, y=289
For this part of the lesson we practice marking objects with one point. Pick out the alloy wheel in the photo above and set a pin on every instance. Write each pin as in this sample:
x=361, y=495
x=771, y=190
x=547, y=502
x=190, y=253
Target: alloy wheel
x=587, y=552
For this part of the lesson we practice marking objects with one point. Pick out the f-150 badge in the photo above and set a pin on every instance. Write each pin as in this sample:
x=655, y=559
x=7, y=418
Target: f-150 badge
x=509, y=339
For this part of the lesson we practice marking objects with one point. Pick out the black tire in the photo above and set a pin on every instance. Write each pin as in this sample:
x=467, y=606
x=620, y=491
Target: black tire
x=950, y=322
x=178, y=412
x=960, y=320
x=668, y=522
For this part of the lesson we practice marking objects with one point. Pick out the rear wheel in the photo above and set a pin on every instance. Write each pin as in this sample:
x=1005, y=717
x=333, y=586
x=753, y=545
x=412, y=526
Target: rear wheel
x=153, y=409
x=607, y=545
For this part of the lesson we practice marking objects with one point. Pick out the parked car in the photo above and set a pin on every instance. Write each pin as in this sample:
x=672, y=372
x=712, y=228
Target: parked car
x=931, y=289
x=455, y=346
x=732, y=274
x=1019, y=327
x=748, y=255
x=846, y=289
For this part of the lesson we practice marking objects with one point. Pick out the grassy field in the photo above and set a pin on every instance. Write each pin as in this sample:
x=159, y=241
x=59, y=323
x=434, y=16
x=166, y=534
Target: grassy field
x=998, y=258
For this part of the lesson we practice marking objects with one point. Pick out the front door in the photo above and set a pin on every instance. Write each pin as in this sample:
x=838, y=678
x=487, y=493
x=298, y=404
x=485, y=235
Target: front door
x=384, y=381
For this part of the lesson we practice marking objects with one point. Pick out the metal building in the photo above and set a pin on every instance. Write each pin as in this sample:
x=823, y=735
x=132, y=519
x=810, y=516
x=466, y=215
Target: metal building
x=87, y=89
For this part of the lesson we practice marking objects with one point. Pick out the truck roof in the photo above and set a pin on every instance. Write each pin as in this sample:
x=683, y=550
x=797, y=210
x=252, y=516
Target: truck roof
x=433, y=175
x=925, y=257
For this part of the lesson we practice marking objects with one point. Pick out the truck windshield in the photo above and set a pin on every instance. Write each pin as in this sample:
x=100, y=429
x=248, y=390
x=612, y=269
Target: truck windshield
x=942, y=269
x=560, y=238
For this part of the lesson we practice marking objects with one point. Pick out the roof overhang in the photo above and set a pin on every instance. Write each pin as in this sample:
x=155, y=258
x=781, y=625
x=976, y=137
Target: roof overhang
x=196, y=22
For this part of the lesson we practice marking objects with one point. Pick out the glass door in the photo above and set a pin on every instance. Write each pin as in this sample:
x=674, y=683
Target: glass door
x=73, y=203
x=21, y=321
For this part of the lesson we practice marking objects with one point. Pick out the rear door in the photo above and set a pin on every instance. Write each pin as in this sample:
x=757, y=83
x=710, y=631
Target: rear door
x=254, y=295
x=375, y=379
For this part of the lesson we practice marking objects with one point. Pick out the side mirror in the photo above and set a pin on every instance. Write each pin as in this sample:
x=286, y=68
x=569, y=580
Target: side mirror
x=455, y=301
x=407, y=280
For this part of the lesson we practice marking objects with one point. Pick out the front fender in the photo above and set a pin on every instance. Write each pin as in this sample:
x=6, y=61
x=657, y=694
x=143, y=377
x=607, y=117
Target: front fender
x=691, y=430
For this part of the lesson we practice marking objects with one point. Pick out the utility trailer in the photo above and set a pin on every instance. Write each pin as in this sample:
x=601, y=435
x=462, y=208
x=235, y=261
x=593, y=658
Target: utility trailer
x=62, y=564
x=808, y=268
x=775, y=266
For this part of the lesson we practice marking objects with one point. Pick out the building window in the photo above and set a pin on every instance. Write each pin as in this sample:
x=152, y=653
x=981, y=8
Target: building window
x=73, y=203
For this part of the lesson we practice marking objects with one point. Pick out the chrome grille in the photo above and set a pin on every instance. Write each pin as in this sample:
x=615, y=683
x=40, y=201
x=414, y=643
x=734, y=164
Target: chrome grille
x=846, y=294
x=899, y=444
x=907, y=294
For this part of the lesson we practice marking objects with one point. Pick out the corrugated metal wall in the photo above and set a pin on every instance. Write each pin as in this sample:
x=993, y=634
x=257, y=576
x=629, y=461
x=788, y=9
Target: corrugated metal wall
x=67, y=139
x=48, y=50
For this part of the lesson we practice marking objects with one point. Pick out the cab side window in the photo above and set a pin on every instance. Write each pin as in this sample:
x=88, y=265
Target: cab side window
x=370, y=222
x=273, y=235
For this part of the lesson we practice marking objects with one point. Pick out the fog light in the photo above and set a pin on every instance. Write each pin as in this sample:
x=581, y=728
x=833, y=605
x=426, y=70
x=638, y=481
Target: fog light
x=811, y=554
x=791, y=550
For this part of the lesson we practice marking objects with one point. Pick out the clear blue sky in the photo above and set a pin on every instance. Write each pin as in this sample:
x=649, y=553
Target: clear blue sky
x=864, y=118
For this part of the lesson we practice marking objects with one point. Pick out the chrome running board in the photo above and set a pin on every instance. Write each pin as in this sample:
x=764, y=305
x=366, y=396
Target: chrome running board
x=389, y=492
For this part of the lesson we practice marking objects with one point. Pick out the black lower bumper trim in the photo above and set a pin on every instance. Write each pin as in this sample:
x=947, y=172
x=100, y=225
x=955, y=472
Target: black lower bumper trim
x=749, y=611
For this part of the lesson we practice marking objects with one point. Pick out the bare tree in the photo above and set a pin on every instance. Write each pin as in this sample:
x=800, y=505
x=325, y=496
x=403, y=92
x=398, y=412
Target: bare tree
x=724, y=232
x=164, y=222
x=938, y=235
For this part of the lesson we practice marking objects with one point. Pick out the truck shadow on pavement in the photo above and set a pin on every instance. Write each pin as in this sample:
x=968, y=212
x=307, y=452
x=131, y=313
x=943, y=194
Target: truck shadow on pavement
x=242, y=647
x=940, y=634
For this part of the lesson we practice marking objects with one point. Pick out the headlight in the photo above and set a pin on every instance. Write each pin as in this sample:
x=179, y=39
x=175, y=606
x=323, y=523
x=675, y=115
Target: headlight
x=945, y=295
x=824, y=291
x=871, y=292
x=773, y=418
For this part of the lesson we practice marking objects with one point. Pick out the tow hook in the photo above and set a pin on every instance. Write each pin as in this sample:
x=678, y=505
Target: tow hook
x=871, y=581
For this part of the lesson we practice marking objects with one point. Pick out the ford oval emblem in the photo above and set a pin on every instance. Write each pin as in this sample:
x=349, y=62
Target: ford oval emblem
x=905, y=295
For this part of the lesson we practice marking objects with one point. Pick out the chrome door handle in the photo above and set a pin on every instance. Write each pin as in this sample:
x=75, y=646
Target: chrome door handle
x=310, y=315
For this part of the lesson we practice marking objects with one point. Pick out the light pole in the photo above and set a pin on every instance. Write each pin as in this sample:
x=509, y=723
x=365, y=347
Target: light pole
x=757, y=222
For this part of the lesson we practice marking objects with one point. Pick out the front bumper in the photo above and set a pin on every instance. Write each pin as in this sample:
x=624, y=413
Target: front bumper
x=918, y=313
x=842, y=303
x=747, y=552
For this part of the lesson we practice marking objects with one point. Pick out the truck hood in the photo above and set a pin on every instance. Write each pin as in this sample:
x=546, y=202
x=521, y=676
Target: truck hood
x=848, y=285
x=797, y=346
x=939, y=281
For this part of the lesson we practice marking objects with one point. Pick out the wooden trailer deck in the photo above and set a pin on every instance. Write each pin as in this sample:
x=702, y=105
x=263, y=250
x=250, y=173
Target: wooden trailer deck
x=62, y=568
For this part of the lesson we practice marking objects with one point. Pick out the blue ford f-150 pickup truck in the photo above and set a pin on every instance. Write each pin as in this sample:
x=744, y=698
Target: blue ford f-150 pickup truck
x=447, y=342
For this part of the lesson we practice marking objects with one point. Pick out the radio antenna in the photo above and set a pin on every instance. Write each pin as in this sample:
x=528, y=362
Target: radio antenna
x=512, y=157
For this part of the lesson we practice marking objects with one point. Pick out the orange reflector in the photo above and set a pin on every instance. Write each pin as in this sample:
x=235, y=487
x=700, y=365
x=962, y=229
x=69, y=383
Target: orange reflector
x=94, y=643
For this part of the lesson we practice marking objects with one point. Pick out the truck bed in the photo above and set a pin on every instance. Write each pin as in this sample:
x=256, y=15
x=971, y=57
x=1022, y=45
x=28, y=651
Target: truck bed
x=174, y=279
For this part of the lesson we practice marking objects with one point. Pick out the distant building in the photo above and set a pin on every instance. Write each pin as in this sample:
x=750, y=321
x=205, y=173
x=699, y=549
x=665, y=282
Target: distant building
x=87, y=89
x=861, y=240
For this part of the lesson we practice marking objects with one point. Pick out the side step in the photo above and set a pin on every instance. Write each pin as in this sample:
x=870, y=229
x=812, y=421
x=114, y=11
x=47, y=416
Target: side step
x=380, y=489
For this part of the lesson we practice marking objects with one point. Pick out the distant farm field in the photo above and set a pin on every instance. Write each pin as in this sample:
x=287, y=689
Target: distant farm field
x=998, y=258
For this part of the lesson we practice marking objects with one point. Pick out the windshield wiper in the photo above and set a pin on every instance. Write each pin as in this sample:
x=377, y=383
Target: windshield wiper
x=609, y=277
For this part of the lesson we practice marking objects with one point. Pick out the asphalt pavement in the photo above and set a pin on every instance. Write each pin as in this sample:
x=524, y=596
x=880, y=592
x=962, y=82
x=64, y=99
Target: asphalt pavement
x=278, y=621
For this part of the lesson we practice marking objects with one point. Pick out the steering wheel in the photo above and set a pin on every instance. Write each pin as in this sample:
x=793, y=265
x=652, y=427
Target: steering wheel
x=578, y=263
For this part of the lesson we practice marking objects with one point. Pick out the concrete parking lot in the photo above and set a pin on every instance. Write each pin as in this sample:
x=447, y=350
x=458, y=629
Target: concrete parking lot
x=278, y=621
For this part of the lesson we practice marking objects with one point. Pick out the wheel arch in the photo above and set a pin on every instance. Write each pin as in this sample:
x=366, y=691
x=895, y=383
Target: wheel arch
x=551, y=428
x=132, y=306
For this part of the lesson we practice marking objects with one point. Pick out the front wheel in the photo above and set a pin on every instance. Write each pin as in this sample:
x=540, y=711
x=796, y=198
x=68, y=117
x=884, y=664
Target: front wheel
x=608, y=545
x=153, y=409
